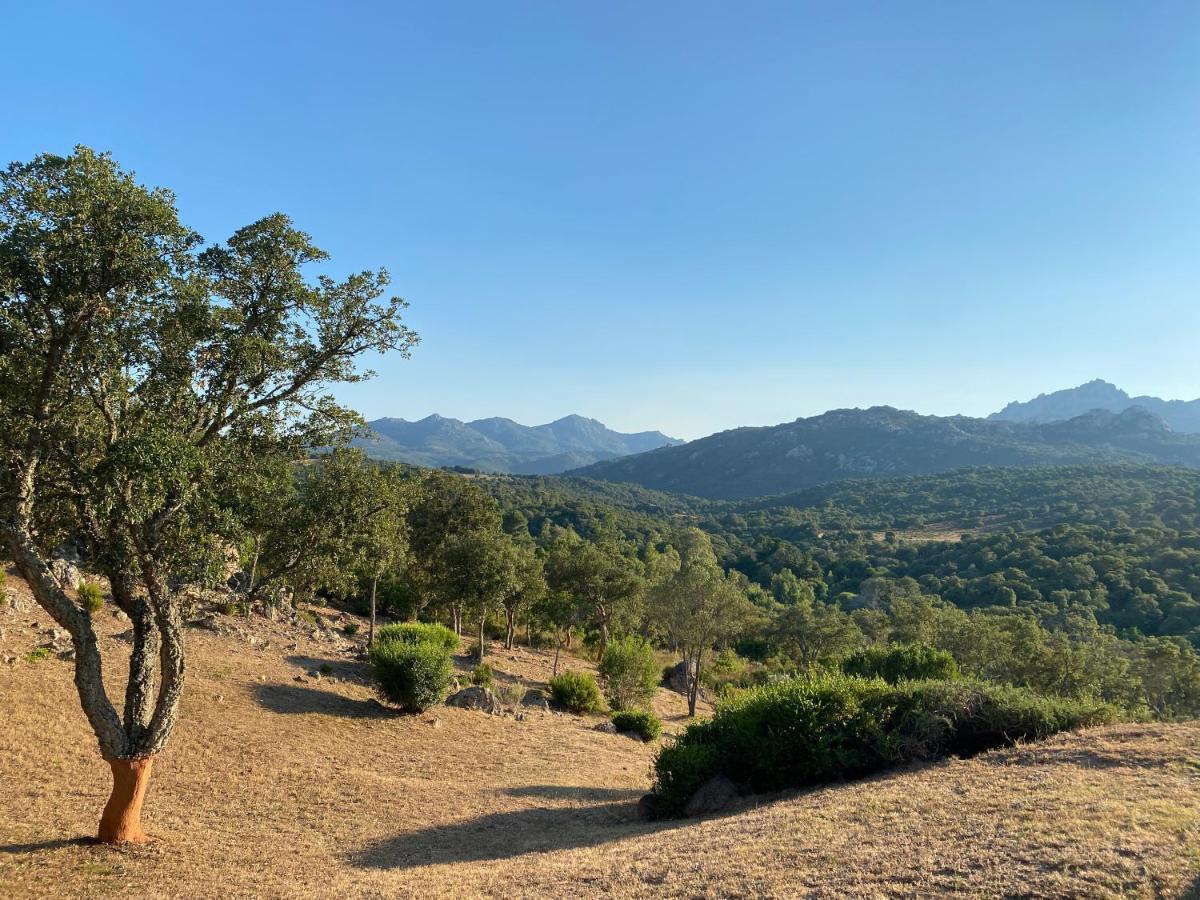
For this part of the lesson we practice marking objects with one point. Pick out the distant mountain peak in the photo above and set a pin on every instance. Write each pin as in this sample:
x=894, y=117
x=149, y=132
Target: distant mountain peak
x=1179, y=415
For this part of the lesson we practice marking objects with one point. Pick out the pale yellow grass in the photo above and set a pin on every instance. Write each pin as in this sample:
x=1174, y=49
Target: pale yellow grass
x=277, y=788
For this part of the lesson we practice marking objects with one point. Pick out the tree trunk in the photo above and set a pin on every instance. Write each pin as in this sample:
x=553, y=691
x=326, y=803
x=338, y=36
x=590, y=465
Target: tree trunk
x=371, y=627
x=456, y=618
x=568, y=643
x=510, y=619
x=121, y=822
x=482, y=619
x=557, y=647
x=694, y=691
x=603, y=641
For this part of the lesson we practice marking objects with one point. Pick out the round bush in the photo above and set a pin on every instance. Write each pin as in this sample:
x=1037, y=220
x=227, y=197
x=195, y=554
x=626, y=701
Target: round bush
x=91, y=597
x=418, y=633
x=576, y=691
x=644, y=724
x=413, y=676
x=630, y=672
x=483, y=676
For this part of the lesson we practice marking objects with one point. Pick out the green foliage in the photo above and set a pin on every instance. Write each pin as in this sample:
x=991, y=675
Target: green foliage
x=645, y=724
x=483, y=676
x=414, y=676
x=325, y=668
x=91, y=598
x=815, y=729
x=902, y=662
x=350, y=629
x=576, y=691
x=37, y=655
x=630, y=672
x=418, y=633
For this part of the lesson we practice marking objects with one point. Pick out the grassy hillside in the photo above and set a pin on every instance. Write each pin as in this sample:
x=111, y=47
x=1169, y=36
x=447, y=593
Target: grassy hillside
x=281, y=787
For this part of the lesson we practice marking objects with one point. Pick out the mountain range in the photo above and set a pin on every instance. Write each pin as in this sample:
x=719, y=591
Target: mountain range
x=1181, y=415
x=883, y=442
x=502, y=445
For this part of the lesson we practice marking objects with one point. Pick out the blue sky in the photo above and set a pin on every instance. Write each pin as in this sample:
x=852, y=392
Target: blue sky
x=684, y=216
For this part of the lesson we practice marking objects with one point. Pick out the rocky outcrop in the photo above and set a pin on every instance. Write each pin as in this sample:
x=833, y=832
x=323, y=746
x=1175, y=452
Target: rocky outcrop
x=479, y=698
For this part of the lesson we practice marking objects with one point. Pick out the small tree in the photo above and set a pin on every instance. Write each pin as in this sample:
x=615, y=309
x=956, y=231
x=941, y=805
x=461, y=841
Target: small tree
x=603, y=580
x=630, y=672
x=699, y=605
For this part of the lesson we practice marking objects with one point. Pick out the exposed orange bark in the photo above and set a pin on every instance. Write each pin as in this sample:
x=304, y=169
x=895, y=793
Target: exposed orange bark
x=121, y=822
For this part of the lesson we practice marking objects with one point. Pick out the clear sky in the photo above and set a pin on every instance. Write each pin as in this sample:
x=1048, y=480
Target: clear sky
x=680, y=215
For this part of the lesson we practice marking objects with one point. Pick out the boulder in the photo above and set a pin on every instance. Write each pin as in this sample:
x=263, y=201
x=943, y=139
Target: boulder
x=680, y=676
x=66, y=573
x=479, y=698
x=536, y=699
x=606, y=727
x=716, y=794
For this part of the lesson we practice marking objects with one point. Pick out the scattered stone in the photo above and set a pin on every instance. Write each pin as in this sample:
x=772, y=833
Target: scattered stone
x=680, y=677
x=714, y=795
x=66, y=573
x=520, y=716
x=435, y=722
x=126, y=636
x=67, y=655
x=536, y=699
x=479, y=698
x=606, y=727
x=299, y=678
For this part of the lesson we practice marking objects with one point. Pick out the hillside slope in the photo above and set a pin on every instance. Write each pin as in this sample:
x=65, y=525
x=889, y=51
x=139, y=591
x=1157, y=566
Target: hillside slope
x=275, y=787
x=502, y=445
x=883, y=442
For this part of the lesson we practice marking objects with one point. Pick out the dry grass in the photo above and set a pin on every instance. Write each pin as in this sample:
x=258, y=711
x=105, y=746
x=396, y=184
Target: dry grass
x=279, y=788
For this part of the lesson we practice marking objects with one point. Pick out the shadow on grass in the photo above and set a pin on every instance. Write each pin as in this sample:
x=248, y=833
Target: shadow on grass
x=1033, y=755
x=566, y=792
x=57, y=844
x=341, y=668
x=294, y=699
x=508, y=834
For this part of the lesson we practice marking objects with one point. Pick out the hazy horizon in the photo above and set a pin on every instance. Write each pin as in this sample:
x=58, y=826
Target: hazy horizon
x=683, y=217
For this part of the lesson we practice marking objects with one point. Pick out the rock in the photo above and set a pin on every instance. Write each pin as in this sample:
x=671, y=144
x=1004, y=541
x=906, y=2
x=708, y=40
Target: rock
x=209, y=623
x=66, y=573
x=679, y=678
x=606, y=727
x=714, y=795
x=126, y=636
x=17, y=602
x=520, y=717
x=67, y=654
x=536, y=699
x=435, y=722
x=475, y=698
x=648, y=807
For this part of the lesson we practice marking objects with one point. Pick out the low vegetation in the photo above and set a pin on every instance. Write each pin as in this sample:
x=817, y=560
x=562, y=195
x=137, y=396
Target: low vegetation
x=644, y=724
x=414, y=675
x=576, y=692
x=822, y=728
x=419, y=633
x=630, y=672
x=902, y=662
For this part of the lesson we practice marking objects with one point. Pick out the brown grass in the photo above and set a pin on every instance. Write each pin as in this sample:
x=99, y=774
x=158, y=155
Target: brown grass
x=278, y=788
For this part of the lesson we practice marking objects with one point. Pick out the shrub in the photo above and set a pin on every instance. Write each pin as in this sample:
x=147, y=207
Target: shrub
x=509, y=694
x=631, y=673
x=576, y=691
x=902, y=662
x=36, y=655
x=325, y=668
x=350, y=629
x=482, y=676
x=821, y=728
x=414, y=676
x=418, y=633
x=90, y=597
x=644, y=724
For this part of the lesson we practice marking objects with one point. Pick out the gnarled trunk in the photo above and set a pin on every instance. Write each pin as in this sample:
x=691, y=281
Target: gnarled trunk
x=121, y=822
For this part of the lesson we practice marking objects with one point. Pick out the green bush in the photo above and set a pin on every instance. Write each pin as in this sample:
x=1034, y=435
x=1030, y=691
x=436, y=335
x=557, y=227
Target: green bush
x=37, y=655
x=483, y=676
x=414, y=676
x=350, y=629
x=902, y=662
x=91, y=597
x=645, y=724
x=630, y=672
x=820, y=728
x=576, y=691
x=419, y=633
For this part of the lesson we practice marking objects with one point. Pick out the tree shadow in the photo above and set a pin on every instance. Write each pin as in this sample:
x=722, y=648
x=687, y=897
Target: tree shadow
x=292, y=699
x=1034, y=755
x=57, y=844
x=566, y=792
x=508, y=834
x=340, y=668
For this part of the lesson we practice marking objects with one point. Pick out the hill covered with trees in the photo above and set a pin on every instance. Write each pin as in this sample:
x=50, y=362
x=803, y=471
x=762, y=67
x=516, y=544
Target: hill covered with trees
x=882, y=442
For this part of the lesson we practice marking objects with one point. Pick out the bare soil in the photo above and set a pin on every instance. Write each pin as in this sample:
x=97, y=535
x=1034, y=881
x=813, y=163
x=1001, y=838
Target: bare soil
x=278, y=787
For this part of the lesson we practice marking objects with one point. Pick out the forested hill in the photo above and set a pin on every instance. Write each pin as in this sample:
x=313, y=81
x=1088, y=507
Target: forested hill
x=502, y=445
x=882, y=442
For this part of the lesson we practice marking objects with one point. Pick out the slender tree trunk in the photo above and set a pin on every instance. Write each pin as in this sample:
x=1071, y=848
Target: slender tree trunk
x=603, y=641
x=254, y=566
x=371, y=627
x=482, y=619
x=557, y=647
x=568, y=641
x=456, y=618
x=510, y=618
x=694, y=692
x=121, y=822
